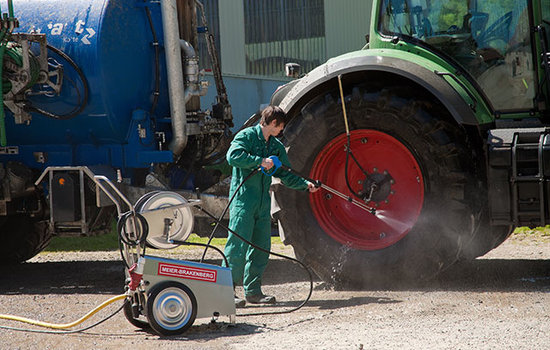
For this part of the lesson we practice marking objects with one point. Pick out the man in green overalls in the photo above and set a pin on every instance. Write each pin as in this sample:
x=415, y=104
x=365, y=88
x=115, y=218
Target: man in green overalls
x=249, y=213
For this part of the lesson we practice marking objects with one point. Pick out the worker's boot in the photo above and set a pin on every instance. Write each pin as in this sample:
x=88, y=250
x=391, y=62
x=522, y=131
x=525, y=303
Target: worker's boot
x=260, y=299
x=239, y=303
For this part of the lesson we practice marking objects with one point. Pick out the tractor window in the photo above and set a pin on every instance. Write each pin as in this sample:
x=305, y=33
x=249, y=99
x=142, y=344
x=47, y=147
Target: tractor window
x=490, y=39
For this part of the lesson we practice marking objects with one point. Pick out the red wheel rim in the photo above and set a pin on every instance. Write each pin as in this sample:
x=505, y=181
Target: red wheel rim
x=382, y=156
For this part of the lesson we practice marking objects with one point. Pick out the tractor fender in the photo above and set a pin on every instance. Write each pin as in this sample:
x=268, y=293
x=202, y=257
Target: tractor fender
x=289, y=95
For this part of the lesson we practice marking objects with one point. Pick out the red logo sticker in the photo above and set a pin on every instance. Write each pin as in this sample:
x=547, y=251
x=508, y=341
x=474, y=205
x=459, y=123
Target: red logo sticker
x=192, y=273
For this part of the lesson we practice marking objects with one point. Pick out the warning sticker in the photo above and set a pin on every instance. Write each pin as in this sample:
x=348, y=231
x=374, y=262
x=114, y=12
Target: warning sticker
x=192, y=273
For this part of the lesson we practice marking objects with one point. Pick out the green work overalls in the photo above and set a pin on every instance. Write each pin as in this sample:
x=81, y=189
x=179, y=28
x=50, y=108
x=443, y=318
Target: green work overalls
x=249, y=213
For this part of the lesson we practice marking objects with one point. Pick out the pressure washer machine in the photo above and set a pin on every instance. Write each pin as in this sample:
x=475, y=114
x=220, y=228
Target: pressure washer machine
x=164, y=294
x=171, y=294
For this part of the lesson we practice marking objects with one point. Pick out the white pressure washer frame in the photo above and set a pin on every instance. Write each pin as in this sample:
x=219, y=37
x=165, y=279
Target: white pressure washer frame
x=210, y=285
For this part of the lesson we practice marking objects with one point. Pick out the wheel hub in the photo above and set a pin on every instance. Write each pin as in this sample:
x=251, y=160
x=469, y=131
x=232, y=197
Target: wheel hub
x=387, y=177
x=377, y=187
x=172, y=308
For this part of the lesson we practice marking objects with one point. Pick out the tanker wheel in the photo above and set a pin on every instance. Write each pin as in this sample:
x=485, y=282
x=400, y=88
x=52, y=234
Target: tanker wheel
x=22, y=238
x=413, y=166
x=171, y=308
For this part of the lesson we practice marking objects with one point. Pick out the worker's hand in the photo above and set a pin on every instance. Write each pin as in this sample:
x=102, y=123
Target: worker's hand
x=267, y=163
x=312, y=188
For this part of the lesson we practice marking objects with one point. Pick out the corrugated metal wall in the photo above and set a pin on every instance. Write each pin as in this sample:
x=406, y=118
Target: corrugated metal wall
x=259, y=36
x=211, y=14
x=282, y=31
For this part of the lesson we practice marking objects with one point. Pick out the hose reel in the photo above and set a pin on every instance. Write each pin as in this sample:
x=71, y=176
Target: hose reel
x=169, y=217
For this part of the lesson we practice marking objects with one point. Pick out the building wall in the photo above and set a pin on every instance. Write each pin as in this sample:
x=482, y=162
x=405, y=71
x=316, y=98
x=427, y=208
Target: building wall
x=346, y=24
x=231, y=17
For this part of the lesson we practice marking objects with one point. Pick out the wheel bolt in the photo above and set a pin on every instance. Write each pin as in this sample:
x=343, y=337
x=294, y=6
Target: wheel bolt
x=382, y=235
x=364, y=140
x=328, y=196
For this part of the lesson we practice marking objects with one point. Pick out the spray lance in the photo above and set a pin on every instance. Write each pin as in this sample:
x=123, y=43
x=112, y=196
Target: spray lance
x=278, y=164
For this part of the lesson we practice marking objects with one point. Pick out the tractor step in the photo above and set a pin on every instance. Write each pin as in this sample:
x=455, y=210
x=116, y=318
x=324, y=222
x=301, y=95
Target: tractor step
x=519, y=175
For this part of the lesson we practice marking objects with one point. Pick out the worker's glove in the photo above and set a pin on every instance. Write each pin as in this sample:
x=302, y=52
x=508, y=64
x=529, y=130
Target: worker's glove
x=276, y=165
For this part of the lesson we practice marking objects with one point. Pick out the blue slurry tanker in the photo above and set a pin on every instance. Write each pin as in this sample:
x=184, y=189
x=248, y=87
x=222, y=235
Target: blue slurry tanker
x=99, y=87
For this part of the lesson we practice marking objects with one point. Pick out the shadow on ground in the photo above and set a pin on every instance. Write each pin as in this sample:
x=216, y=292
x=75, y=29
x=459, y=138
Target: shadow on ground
x=107, y=277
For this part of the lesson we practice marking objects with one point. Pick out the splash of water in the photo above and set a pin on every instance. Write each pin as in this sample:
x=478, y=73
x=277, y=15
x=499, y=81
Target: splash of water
x=397, y=225
x=339, y=262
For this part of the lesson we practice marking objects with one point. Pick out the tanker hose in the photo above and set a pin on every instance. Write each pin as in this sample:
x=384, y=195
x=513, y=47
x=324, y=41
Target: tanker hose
x=77, y=110
x=156, y=92
x=64, y=325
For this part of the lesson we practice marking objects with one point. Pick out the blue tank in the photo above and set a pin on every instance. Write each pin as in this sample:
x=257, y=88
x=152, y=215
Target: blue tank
x=111, y=41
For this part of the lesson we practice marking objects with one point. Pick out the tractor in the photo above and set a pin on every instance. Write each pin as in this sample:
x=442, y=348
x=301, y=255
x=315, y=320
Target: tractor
x=440, y=123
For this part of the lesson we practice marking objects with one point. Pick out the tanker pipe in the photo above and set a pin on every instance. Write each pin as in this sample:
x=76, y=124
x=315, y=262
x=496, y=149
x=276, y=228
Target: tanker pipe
x=187, y=49
x=174, y=71
x=191, y=70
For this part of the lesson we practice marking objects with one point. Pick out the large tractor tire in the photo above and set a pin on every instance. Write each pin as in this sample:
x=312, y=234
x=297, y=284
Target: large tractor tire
x=22, y=238
x=416, y=162
x=488, y=238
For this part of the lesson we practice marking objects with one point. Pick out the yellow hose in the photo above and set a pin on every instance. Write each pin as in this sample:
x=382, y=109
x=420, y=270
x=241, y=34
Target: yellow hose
x=63, y=325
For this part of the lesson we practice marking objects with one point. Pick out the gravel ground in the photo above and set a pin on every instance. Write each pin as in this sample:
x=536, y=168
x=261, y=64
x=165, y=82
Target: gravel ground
x=499, y=301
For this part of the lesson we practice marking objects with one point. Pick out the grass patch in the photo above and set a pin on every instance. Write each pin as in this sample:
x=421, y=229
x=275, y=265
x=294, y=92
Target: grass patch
x=109, y=242
x=106, y=242
x=537, y=231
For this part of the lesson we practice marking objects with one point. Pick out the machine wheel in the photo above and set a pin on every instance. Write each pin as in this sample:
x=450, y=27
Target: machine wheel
x=22, y=238
x=130, y=317
x=171, y=308
x=414, y=160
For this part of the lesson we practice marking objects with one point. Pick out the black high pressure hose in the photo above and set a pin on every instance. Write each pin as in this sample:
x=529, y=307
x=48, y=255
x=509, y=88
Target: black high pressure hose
x=218, y=223
x=140, y=240
x=124, y=237
x=218, y=220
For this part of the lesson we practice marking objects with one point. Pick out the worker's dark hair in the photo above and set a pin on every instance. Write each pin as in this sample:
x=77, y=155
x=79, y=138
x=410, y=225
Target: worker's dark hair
x=271, y=113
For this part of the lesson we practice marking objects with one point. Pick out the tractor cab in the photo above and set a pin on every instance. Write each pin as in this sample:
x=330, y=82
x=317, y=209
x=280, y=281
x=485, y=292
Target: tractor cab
x=499, y=46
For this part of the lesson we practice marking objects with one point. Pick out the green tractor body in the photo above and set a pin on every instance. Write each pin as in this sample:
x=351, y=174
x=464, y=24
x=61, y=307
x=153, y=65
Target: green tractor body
x=447, y=114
